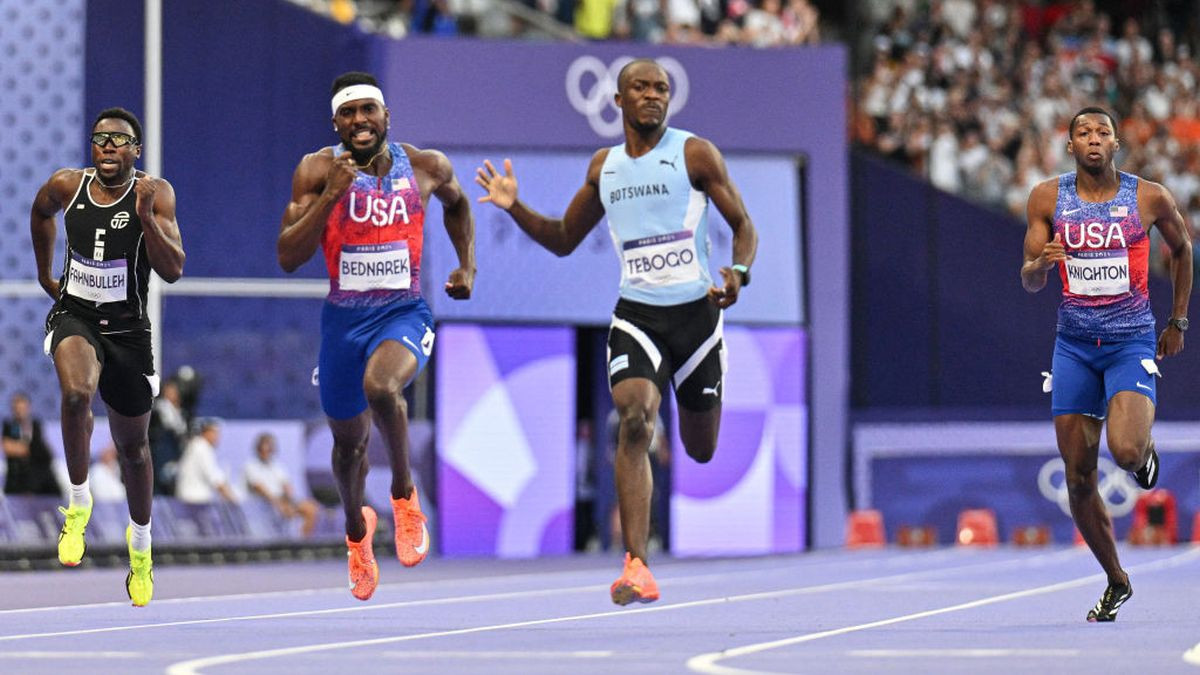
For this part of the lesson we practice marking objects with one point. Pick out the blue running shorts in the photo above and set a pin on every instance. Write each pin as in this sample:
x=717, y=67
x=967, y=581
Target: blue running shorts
x=1087, y=374
x=349, y=335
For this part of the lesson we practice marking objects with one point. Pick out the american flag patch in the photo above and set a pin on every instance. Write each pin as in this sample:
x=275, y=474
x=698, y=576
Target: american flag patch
x=400, y=184
x=1118, y=211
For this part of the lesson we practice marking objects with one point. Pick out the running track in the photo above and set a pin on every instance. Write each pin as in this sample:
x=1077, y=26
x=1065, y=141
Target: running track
x=950, y=610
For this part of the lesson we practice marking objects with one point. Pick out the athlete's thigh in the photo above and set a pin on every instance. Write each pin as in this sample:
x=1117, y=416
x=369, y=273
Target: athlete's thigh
x=391, y=363
x=77, y=353
x=1078, y=384
x=636, y=349
x=128, y=383
x=1132, y=390
x=1131, y=367
x=341, y=363
x=697, y=348
x=400, y=345
x=1130, y=416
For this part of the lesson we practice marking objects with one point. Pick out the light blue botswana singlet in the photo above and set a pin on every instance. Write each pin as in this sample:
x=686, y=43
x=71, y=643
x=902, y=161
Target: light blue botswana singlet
x=658, y=223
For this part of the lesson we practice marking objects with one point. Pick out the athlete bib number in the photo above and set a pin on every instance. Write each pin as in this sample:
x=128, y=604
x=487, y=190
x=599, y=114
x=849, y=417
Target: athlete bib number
x=1104, y=272
x=662, y=259
x=369, y=267
x=98, y=280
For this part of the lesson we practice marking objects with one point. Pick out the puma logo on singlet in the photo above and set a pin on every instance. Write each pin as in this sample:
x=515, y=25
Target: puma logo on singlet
x=670, y=164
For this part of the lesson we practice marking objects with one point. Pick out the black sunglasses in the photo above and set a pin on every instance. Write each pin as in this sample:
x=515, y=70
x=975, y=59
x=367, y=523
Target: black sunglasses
x=119, y=139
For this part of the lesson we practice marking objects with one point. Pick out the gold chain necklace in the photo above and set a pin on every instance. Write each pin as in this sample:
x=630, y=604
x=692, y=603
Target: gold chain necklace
x=372, y=160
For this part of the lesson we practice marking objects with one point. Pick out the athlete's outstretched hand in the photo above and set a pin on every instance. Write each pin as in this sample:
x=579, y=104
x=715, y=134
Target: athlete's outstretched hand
x=460, y=283
x=144, y=188
x=341, y=174
x=724, y=297
x=501, y=190
x=1170, y=342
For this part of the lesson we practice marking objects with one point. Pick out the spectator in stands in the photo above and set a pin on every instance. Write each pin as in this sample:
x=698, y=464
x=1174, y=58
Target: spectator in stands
x=266, y=478
x=25, y=449
x=1002, y=75
x=168, y=429
x=200, y=477
x=105, y=477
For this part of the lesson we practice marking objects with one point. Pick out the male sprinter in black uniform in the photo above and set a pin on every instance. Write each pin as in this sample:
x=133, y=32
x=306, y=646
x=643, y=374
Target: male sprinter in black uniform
x=120, y=224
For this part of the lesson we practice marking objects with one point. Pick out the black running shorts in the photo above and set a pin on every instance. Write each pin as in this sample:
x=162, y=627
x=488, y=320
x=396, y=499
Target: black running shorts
x=674, y=345
x=128, y=383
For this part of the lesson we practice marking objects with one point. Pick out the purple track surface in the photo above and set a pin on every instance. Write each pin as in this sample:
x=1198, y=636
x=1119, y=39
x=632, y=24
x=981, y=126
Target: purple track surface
x=950, y=610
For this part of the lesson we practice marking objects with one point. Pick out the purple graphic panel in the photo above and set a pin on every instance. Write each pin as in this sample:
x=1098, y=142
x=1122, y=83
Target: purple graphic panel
x=505, y=439
x=750, y=498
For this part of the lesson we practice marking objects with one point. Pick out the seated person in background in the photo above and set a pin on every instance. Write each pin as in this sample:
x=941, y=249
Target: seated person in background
x=267, y=478
x=168, y=429
x=105, y=477
x=29, y=463
x=200, y=476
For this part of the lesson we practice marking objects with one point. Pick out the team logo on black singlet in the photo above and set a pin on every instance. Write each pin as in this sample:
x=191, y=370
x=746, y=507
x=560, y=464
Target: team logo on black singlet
x=119, y=220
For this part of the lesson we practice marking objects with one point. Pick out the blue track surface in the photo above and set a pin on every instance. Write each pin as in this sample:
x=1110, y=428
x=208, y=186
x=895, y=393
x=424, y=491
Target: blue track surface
x=935, y=611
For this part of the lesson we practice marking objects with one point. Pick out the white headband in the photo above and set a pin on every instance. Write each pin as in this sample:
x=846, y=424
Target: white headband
x=355, y=92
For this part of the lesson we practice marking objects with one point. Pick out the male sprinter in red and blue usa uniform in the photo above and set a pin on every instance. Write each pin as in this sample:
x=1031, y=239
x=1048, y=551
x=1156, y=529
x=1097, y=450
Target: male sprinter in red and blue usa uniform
x=363, y=203
x=1093, y=224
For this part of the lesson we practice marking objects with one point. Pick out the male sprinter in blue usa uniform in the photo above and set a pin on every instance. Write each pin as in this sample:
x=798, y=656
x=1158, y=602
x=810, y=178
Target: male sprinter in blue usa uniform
x=120, y=224
x=1093, y=224
x=363, y=204
x=666, y=328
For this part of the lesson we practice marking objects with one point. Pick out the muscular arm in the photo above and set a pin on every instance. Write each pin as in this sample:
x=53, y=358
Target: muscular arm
x=1167, y=218
x=42, y=228
x=560, y=237
x=456, y=215
x=1041, y=252
x=305, y=215
x=164, y=244
x=706, y=169
x=1171, y=223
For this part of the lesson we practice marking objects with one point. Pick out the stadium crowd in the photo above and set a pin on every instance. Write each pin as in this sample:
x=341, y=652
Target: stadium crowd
x=976, y=95
x=756, y=23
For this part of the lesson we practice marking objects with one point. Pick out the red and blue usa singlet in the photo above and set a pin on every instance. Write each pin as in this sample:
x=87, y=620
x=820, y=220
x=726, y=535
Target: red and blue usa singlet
x=1104, y=279
x=372, y=240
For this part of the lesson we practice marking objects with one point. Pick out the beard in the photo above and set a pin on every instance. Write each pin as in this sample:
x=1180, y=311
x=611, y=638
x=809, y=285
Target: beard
x=367, y=154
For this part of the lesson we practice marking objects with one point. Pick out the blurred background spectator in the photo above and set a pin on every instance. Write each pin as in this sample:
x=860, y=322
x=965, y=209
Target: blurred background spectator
x=200, y=477
x=755, y=23
x=29, y=464
x=168, y=429
x=104, y=477
x=266, y=478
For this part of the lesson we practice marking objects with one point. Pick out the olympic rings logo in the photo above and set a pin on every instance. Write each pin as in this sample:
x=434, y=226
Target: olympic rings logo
x=591, y=85
x=1115, y=488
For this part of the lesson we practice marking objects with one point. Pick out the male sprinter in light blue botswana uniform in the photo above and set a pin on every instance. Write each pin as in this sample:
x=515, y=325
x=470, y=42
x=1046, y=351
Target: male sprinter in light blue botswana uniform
x=666, y=329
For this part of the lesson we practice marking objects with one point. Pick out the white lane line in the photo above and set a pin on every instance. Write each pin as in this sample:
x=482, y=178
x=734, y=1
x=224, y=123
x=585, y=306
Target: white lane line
x=193, y=666
x=781, y=563
x=491, y=656
x=692, y=579
x=313, y=612
x=960, y=653
x=707, y=663
x=507, y=595
x=70, y=654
